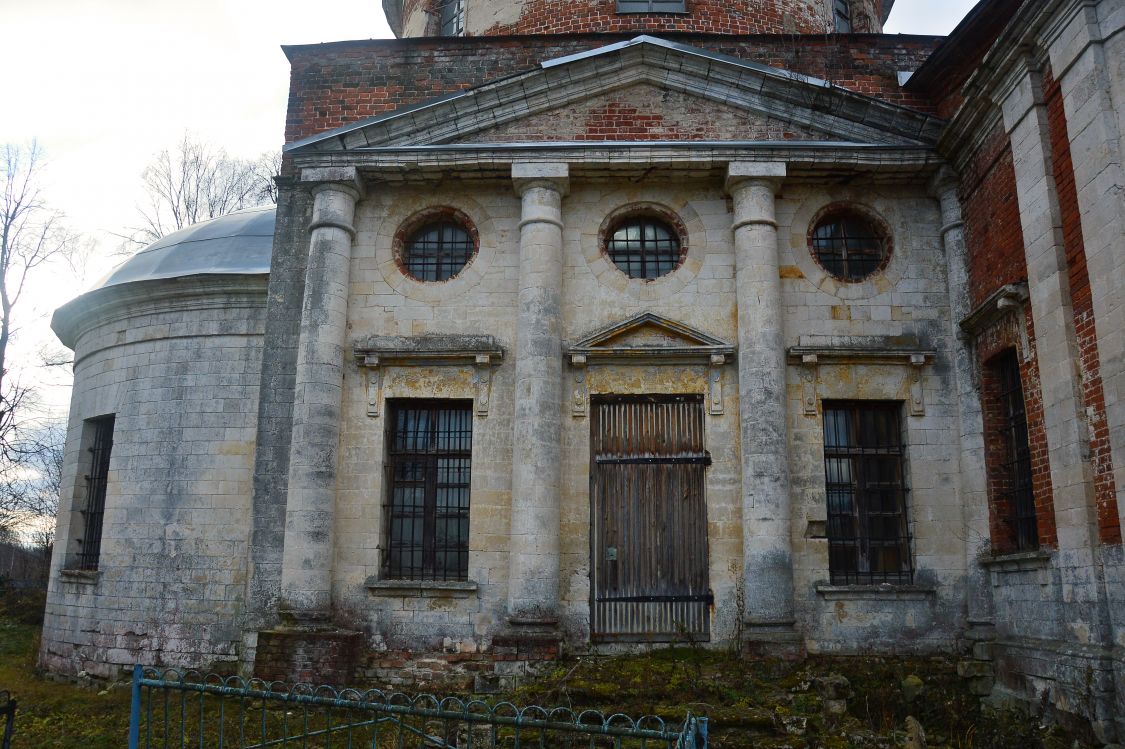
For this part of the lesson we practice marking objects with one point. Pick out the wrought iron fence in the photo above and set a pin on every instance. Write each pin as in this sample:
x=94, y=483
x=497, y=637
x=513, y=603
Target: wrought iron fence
x=190, y=709
x=8, y=715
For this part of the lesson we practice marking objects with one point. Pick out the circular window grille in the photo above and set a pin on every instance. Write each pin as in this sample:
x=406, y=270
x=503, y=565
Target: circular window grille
x=644, y=247
x=849, y=246
x=437, y=251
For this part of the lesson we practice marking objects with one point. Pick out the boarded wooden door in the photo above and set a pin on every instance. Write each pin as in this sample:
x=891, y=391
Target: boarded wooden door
x=648, y=525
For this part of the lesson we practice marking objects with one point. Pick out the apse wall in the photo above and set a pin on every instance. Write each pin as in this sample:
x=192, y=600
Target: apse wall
x=176, y=363
x=413, y=18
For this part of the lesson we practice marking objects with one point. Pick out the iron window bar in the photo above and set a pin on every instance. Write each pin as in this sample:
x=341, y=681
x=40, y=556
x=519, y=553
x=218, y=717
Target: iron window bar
x=651, y=6
x=842, y=12
x=438, y=252
x=427, y=507
x=1019, y=498
x=848, y=247
x=97, y=480
x=644, y=247
x=868, y=535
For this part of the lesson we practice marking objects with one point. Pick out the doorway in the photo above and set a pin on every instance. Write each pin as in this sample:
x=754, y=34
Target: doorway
x=648, y=520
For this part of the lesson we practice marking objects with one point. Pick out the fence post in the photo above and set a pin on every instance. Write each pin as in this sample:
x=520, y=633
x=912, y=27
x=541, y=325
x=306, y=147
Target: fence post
x=8, y=709
x=702, y=733
x=135, y=709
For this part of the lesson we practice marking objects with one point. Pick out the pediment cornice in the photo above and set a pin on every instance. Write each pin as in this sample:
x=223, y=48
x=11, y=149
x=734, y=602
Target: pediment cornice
x=810, y=103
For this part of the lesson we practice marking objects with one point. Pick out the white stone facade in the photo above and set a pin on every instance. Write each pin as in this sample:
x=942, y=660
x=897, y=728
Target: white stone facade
x=248, y=489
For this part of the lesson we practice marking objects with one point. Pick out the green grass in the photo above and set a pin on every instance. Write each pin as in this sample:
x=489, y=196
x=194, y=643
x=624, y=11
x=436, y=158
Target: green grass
x=51, y=715
x=753, y=704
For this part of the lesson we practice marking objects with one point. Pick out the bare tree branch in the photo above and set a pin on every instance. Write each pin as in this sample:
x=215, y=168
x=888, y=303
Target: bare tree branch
x=32, y=237
x=195, y=181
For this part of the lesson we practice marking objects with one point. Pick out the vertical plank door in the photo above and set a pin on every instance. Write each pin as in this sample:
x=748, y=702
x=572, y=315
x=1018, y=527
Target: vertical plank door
x=648, y=530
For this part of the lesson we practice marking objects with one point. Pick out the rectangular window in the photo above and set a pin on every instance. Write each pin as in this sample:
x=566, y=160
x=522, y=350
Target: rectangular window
x=842, y=11
x=452, y=14
x=868, y=539
x=651, y=6
x=1017, y=495
x=98, y=437
x=427, y=510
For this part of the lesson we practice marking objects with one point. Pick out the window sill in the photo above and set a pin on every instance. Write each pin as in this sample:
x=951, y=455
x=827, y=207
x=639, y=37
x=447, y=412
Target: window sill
x=883, y=592
x=421, y=588
x=1021, y=561
x=82, y=577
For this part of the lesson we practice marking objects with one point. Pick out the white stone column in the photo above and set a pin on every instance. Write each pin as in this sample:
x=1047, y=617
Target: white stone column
x=533, y=582
x=1088, y=60
x=306, y=566
x=972, y=487
x=1025, y=118
x=766, y=522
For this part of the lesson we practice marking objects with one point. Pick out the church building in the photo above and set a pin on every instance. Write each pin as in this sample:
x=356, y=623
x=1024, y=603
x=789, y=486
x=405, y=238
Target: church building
x=589, y=326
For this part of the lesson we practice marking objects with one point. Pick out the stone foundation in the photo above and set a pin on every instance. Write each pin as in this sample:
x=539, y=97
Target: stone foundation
x=320, y=657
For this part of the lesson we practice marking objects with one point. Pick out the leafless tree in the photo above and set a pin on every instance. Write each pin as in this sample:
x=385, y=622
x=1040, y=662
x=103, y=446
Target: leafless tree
x=30, y=486
x=33, y=238
x=196, y=181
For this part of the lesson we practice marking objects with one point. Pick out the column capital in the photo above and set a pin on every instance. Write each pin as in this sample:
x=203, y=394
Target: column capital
x=553, y=175
x=346, y=179
x=1020, y=91
x=771, y=173
x=945, y=181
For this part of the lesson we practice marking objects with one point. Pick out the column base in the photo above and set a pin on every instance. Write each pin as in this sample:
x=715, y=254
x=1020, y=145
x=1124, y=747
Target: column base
x=305, y=620
x=773, y=640
x=316, y=655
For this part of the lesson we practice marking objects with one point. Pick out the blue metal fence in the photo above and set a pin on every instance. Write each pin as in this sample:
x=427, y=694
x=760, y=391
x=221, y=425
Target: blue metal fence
x=188, y=709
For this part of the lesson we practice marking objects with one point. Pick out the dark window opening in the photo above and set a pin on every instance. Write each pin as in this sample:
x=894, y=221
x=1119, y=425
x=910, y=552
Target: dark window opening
x=1017, y=495
x=651, y=6
x=438, y=252
x=427, y=509
x=90, y=545
x=452, y=17
x=644, y=247
x=848, y=246
x=868, y=538
x=842, y=11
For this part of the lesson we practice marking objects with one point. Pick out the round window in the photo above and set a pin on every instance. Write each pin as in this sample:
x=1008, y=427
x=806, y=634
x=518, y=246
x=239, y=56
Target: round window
x=849, y=245
x=643, y=247
x=437, y=251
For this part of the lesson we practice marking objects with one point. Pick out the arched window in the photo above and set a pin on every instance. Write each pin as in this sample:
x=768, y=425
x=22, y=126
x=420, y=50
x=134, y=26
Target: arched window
x=643, y=246
x=848, y=245
x=842, y=13
x=437, y=251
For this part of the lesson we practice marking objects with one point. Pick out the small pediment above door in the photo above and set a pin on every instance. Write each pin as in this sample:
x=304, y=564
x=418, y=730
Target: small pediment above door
x=650, y=338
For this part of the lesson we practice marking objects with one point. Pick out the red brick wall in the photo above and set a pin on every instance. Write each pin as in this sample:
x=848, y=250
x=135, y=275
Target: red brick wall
x=1001, y=337
x=644, y=112
x=993, y=232
x=1093, y=395
x=703, y=16
x=336, y=84
x=994, y=239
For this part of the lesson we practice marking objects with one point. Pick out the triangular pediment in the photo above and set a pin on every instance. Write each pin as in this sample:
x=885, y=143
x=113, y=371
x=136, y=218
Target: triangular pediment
x=683, y=94
x=649, y=112
x=649, y=337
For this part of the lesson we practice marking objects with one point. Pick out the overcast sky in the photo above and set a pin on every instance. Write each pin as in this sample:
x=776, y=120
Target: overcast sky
x=105, y=84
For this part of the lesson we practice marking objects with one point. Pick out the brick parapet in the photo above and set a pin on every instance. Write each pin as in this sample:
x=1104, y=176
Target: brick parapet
x=337, y=84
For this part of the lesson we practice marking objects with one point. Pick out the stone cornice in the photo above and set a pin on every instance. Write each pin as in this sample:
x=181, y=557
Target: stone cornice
x=804, y=160
x=1004, y=301
x=382, y=350
x=816, y=349
x=1035, y=27
x=179, y=294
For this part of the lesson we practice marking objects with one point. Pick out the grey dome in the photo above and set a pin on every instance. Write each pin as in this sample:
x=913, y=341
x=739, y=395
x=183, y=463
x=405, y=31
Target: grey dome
x=237, y=243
